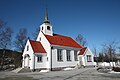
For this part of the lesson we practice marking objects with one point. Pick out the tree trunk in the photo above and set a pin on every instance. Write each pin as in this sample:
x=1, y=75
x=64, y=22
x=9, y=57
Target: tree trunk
x=3, y=57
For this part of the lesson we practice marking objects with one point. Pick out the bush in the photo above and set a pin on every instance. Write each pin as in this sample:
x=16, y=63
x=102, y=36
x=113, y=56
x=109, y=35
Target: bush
x=116, y=69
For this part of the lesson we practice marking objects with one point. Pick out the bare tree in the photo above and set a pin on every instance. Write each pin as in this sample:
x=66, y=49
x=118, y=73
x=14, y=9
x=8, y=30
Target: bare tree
x=5, y=35
x=119, y=49
x=101, y=57
x=95, y=54
x=81, y=40
x=35, y=34
x=5, y=38
x=110, y=49
x=21, y=39
x=2, y=24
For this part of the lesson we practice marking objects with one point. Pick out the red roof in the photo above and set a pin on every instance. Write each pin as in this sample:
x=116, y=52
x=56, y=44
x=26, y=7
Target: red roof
x=62, y=41
x=82, y=51
x=37, y=47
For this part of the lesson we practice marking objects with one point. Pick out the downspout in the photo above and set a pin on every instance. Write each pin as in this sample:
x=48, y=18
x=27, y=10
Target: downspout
x=33, y=62
x=23, y=65
x=51, y=58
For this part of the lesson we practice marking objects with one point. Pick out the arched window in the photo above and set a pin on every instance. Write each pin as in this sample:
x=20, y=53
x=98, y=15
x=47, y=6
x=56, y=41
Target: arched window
x=27, y=47
x=48, y=27
x=42, y=27
x=40, y=38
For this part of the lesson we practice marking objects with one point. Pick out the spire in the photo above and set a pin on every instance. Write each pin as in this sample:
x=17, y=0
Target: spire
x=46, y=17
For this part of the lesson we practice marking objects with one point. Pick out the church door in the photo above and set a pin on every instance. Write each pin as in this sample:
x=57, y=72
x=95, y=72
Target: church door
x=26, y=61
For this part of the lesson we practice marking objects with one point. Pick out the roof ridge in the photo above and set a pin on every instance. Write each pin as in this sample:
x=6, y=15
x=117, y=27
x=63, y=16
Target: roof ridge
x=55, y=34
x=61, y=35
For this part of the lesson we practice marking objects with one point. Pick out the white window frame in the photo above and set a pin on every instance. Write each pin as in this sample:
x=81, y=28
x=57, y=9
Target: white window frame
x=75, y=56
x=89, y=58
x=59, y=55
x=48, y=28
x=39, y=58
x=68, y=55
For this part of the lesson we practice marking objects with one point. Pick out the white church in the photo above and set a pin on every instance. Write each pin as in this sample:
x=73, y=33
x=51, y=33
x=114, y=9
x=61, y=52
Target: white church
x=54, y=52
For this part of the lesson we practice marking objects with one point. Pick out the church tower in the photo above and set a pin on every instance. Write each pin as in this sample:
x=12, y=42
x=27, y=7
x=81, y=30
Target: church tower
x=46, y=27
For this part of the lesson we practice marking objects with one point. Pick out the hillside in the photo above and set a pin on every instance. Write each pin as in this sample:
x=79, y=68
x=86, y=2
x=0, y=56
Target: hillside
x=10, y=59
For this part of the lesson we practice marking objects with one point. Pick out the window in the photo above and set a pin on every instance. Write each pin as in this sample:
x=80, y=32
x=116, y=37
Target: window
x=40, y=38
x=27, y=47
x=48, y=27
x=68, y=55
x=75, y=56
x=47, y=58
x=42, y=27
x=89, y=58
x=39, y=58
x=59, y=55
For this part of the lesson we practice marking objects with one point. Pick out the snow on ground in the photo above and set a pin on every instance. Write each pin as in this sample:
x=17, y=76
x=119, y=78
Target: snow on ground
x=65, y=69
x=44, y=71
x=106, y=64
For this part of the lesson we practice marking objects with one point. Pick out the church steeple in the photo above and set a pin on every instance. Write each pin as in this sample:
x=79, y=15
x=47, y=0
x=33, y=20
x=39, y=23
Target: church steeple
x=46, y=17
x=46, y=27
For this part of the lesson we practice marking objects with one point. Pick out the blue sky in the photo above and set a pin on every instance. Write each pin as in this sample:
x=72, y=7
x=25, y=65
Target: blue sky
x=97, y=20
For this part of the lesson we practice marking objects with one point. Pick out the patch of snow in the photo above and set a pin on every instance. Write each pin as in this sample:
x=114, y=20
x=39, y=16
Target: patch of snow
x=65, y=69
x=17, y=70
x=106, y=64
x=44, y=71
x=114, y=72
